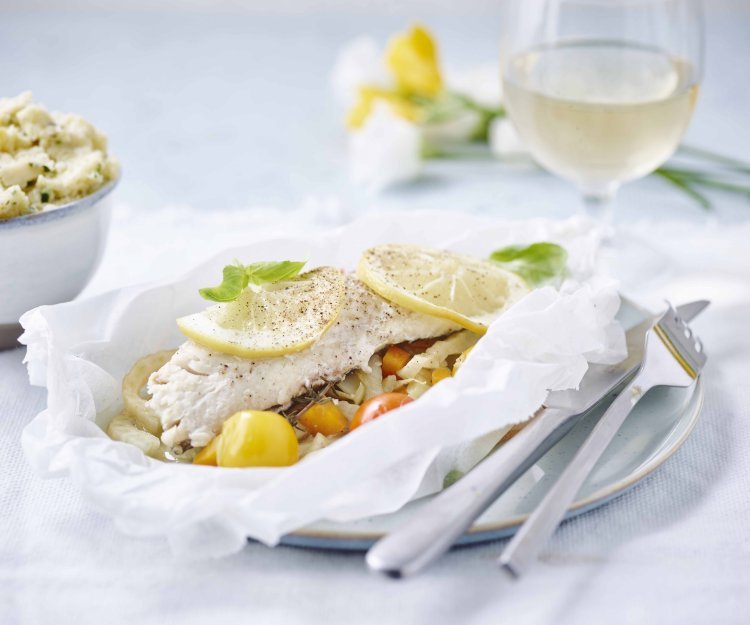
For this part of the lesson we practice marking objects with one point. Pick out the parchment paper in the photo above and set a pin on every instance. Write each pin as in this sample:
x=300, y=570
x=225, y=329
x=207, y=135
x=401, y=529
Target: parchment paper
x=81, y=350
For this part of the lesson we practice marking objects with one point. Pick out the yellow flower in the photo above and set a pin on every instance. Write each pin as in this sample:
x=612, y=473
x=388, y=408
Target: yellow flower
x=367, y=96
x=412, y=58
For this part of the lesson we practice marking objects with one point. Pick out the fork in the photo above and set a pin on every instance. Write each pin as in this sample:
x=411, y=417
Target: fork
x=674, y=356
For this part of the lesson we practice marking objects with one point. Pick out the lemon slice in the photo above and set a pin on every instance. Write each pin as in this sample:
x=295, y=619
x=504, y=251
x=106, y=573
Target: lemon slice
x=465, y=290
x=273, y=319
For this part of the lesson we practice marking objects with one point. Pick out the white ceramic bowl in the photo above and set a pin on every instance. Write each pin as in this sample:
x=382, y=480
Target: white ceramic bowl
x=49, y=257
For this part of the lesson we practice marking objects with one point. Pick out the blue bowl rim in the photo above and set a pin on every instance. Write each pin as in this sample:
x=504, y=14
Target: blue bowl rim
x=59, y=212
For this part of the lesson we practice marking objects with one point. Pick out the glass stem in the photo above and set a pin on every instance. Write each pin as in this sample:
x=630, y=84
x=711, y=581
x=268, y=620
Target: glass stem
x=598, y=203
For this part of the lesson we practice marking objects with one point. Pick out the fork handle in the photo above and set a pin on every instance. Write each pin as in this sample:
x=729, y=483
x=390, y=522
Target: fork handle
x=534, y=533
x=434, y=528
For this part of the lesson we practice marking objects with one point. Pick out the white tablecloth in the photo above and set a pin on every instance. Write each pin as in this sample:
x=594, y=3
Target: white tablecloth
x=676, y=549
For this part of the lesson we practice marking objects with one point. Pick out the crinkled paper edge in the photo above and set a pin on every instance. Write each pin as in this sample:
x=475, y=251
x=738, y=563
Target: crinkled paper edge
x=80, y=350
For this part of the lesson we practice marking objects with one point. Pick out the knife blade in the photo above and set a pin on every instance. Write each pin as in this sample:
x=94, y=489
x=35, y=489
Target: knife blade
x=434, y=528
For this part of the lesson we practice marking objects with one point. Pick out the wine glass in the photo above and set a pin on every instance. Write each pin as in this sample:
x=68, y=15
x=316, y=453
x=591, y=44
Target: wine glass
x=601, y=91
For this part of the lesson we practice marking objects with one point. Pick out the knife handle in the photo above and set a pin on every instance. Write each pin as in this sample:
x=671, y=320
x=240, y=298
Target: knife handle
x=523, y=548
x=435, y=527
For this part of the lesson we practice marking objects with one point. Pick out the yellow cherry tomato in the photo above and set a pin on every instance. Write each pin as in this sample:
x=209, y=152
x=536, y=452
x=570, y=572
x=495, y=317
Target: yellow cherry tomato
x=257, y=438
x=394, y=360
x=324, y=418
x=207, y=455
x=440, y=374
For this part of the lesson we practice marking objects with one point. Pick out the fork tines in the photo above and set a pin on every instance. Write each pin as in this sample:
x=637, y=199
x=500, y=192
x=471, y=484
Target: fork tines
x=680, y=340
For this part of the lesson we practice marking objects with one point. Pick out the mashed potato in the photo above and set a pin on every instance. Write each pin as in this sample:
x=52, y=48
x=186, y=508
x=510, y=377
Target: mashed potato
x=48, y=159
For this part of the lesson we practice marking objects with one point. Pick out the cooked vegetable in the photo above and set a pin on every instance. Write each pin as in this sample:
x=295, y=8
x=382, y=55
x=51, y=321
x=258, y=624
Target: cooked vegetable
x=348, y=409
x=461, y=360
x=436, y=355
x=132, y=391
x=440, y=374
x=350, y=389
x=313, y=444
x=372, y=379
x=256, y=438
x=207, y=455
x=394, y=359
x=419, y=384
x=324, y=418
x=378, y=405
x=122, y=428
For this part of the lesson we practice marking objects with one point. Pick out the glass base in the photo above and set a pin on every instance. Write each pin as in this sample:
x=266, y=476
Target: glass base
x=598, y=201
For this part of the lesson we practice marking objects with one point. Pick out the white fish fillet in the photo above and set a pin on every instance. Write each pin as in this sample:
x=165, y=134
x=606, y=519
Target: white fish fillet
x=199, y=388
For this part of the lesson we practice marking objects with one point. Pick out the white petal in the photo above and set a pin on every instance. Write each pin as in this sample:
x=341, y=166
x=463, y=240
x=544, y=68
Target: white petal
x=359, y=63
x=386, y=150
x=504, y=139
x=482, y=84
x=459, y=129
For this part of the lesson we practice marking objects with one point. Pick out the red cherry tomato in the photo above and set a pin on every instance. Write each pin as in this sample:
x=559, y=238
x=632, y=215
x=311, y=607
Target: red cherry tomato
x=376, y=406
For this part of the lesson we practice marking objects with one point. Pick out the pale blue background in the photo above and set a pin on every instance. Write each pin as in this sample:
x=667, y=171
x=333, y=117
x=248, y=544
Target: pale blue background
x=227, y=104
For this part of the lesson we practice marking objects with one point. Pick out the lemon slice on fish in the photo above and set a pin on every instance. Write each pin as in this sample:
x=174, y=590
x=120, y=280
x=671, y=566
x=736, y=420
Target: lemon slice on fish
x=272, y=319
x=465, y=290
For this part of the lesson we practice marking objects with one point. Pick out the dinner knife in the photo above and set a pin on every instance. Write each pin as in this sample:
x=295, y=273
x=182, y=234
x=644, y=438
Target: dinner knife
x=435, y=527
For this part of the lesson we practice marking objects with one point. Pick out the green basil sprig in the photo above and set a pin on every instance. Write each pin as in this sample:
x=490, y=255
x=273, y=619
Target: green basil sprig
x=237, y=277
x=536, y=263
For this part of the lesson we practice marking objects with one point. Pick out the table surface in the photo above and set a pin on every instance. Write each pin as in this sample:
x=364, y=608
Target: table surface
x=212, y=114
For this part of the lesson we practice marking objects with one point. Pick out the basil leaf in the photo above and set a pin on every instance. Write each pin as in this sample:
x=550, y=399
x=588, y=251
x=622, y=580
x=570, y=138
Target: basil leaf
x=452, y=477
x=233, y=283
x=535, y=263
x=263, y=273
x=237, y=277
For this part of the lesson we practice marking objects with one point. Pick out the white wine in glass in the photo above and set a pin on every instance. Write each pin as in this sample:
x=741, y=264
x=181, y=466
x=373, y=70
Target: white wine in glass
x=602, y=91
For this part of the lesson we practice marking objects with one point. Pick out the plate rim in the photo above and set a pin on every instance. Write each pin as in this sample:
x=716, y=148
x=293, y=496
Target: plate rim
x=476, y=532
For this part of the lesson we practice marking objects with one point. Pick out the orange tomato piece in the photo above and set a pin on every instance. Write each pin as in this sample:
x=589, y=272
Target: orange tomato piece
x=324, y=418
x=440, y=374
x=395, y=359
x=207, y=455
x=378, y=405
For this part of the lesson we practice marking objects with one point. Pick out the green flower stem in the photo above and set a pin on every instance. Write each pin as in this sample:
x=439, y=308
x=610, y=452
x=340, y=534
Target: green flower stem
x=685, y=187
x=431, y=151
x=486, y=116
x=708, y=180
x=479, y=108
x=727, y=161
x=723, y=185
